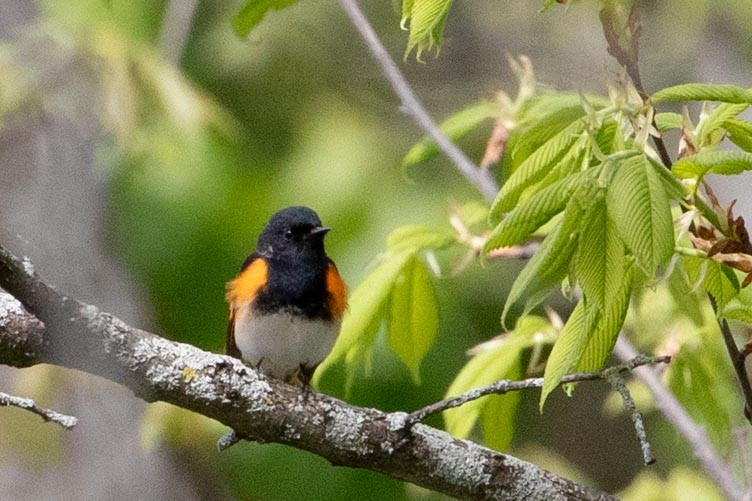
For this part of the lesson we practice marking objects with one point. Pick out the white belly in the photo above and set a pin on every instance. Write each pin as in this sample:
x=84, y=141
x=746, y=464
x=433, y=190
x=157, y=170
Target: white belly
x=282, y=343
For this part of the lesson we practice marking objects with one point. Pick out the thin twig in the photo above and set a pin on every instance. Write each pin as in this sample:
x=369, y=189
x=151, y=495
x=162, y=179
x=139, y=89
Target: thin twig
x=737, y=360
x=695, y=435
x=617, y=384
x=28, y=404
x=505, y=386
x=481, y=178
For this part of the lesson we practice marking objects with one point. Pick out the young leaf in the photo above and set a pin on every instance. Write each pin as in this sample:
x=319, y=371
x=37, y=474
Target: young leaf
x=413, y=320
x=566, y=351
x=550, y=264
x=535, y=211
x=455, y=127
x=535, y=167
x=717, y=279
x=417, y=236
x=637, y=203
x=713, y=162
x=709, y=132
x=366, y=310
x=427, y=19
x=704, y=92
x=588, y=336
x=667, y=121
x=500, y=362
x=740, y=133
x=253, y=12
x=601, y=342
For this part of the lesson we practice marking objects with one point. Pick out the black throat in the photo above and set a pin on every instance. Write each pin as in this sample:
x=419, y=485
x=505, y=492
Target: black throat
x=297, y=288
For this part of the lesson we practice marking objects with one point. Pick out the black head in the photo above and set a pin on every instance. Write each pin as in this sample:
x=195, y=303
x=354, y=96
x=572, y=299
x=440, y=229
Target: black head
x=293, y=233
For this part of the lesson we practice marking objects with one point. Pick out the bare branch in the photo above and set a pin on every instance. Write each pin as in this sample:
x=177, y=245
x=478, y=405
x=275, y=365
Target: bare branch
x=80, y=336
x=610, y=374
x=28, y=404
x=481, y=178
x=695, y=435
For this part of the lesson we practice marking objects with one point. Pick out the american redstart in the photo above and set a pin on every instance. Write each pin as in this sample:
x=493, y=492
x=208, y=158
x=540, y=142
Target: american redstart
x=286, y=305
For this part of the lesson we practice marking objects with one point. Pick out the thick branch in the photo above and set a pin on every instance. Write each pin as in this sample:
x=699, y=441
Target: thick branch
x=80, y=336
x=480, y=178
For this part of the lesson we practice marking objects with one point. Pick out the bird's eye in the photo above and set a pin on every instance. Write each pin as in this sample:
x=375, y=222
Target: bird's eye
x=288, y=235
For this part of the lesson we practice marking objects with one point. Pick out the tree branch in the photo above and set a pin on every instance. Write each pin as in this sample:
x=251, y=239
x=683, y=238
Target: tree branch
x=481, y=178
x=610, y=374
x=695, y=435
x=28, y=404
x=79, y=336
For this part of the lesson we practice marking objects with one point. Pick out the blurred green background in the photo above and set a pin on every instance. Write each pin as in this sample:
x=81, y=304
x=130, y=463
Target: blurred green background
x=192, y=156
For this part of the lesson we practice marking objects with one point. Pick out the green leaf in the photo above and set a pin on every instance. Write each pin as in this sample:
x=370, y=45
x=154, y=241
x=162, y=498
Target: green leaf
x=367, y=307
x=535, y=211
x=589, y=335
x=502, y=361
x=455, y=127
x=535, y=167
x=739, y=308
x=740, y=133
x=413, y=318
x=717, y=279
x=599, y=260
x=416, y=237
x=601, y=342
x=637, y=203
x=550, y=263
x=565, y=352
x=713, y=162
x=710, y=132
x=703, y=92
x=427, y=19
x=667, y=121
x=253, y=12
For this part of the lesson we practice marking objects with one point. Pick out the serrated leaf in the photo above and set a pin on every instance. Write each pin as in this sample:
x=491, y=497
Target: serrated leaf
x=599, y=260
x=638, y=204
x=413, y=320
x=427, y=19
x=589, y=336
x=534, y=212
x=717, y=279
x=704, y=92
x=253, y=12
x=740, y=133
x=667, y=121
x=500, y=362
x=535, y=167
x=565, y=352
x=713, y=162
x=601, y=342
x=417, y=236
x=709, y=132
x=454, y=127
x=550, y=263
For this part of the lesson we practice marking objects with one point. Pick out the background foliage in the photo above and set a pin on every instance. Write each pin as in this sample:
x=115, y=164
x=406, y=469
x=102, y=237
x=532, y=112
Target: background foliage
x=196, y=158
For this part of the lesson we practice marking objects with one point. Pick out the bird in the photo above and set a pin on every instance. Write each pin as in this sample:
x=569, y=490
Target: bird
x=287, y=303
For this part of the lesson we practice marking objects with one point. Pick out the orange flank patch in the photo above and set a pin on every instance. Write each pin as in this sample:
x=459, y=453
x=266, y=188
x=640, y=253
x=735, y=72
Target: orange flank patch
x=244, y=288
x=337, y=290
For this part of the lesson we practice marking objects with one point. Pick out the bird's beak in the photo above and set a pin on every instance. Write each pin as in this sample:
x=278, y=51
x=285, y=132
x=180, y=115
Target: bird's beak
x=318, y=232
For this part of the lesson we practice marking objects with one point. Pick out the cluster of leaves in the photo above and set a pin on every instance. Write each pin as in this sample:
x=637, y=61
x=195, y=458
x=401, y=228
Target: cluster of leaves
x=611, y=217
